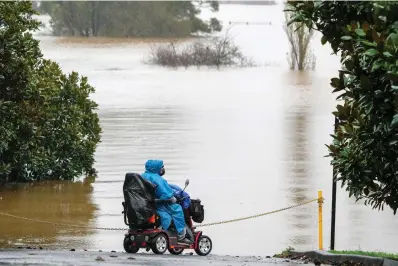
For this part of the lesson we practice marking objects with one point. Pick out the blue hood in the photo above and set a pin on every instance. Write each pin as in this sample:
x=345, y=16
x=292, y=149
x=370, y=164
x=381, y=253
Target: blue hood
x=153, y=166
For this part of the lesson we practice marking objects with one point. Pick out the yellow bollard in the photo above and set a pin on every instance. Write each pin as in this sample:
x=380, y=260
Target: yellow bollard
x=320, y=229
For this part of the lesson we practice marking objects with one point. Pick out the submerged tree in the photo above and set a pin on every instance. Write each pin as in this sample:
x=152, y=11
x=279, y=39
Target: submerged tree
x=300, y=56
x=48, y=127
x=365, y=146
x=129, y=19
x=213, y=52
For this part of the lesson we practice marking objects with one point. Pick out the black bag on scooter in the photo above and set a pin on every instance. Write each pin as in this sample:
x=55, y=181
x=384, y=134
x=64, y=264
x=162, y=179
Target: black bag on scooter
x=139, y=197
x=197, y=211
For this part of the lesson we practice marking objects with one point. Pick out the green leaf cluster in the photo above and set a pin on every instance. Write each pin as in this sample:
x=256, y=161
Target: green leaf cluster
x=365, y=145
x=48, y=127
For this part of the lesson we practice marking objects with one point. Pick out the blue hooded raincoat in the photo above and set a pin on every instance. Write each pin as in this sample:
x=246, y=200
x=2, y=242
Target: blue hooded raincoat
x=163, y=191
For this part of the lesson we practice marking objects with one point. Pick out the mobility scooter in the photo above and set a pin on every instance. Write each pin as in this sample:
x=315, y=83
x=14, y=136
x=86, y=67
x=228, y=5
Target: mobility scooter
x=144, y=224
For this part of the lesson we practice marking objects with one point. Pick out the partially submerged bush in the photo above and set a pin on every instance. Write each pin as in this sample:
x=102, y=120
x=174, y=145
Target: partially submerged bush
x=214, y=52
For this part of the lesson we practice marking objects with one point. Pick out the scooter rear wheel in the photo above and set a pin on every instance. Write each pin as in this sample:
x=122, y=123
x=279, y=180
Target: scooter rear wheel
x=175, y=251
x=128, y=247
x=205, y=246
x=160, y=244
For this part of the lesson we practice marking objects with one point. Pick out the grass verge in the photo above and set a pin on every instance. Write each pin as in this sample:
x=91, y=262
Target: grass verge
x=366, y=253
x=284, y=253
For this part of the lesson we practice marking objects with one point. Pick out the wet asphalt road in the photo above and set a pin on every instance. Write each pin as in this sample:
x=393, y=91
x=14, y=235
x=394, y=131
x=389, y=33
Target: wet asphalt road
x=45, y=257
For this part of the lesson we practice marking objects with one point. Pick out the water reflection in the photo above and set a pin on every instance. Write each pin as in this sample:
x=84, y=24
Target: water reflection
x=356, y=218
x=299, y=184
x=59, y=202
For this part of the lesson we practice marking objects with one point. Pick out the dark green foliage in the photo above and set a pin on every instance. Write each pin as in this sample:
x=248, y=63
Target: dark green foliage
x=129, y=18
x=365, y=147
x=47, y=125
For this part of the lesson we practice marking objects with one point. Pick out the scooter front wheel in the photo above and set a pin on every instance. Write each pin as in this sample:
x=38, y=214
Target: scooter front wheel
x=205, y=246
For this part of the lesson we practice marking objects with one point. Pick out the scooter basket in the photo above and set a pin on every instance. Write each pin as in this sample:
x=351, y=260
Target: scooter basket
x=197, y=211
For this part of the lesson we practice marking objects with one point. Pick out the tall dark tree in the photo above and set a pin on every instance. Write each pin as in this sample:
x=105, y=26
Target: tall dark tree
x=365, y=147
x=48, y=127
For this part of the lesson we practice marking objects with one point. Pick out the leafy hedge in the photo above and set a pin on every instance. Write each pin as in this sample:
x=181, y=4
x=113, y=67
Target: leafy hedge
x=48, y=127
x=365, y=146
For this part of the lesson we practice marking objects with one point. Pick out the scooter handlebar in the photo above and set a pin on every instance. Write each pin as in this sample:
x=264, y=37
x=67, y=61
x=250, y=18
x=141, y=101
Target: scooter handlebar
x=168, y=200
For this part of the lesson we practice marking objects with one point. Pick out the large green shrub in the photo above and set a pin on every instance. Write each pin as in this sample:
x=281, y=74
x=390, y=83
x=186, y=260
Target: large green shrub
x=48, y=127
x=365, y=146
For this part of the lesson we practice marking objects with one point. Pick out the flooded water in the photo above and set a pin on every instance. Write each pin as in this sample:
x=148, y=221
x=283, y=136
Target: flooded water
x=250, y=141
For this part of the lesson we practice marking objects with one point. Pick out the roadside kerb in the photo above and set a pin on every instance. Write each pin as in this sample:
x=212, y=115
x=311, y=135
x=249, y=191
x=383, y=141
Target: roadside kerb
x=331, y=258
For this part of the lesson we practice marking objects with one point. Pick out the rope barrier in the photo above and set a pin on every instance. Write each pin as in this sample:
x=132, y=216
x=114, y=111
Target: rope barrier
x=62, y=224
x=125, y=229
x=258, y=215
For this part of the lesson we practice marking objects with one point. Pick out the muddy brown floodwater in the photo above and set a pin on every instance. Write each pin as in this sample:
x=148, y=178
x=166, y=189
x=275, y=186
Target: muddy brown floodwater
x=250, y=140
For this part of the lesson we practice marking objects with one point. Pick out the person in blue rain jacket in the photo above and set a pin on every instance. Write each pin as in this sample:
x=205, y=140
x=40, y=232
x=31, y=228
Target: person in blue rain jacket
x=170, y=211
